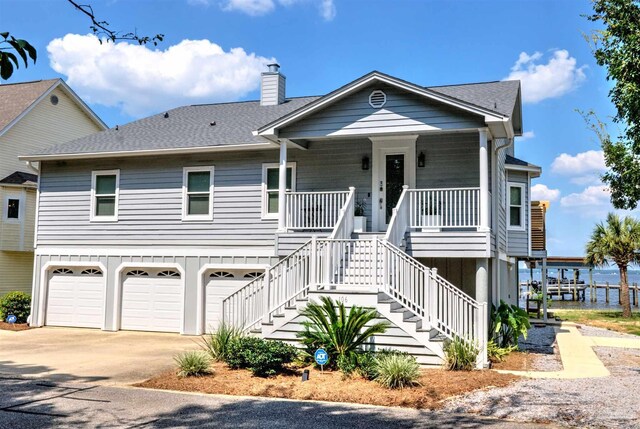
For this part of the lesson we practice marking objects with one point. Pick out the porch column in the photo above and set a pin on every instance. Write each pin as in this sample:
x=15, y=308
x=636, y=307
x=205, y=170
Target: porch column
x=482, y=280
x=282, y=186
x=544, y=289
x=485, y=201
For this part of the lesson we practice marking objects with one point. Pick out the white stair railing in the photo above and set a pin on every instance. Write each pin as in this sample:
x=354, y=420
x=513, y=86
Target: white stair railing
x=399, y=221
x=313, y=210
x=344, y=226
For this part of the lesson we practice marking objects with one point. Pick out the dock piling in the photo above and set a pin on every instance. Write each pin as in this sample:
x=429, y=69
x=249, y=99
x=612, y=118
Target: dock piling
x=606, y=293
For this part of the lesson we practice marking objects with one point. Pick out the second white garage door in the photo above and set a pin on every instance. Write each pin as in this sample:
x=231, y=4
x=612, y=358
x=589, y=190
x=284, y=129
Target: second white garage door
x=220, y=285
x=152, y=301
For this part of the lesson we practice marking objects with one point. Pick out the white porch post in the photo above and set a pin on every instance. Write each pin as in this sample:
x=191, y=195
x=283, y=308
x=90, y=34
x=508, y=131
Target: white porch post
x=484, y=181
x=282, y=187
x=544, y=289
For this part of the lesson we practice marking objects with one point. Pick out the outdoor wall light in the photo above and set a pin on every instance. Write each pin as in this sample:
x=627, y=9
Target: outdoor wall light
x=421, y=160
x=365, y=163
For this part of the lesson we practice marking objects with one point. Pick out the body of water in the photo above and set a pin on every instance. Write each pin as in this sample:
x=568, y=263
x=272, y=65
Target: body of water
x=600, y=277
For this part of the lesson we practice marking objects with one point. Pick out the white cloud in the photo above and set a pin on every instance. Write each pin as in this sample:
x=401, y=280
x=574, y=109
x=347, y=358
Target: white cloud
x=542, y=192
x=250, y=7
x=541, y=81
x=593, y=198
x=327, y=8
x=527, y=135
x=143, y=81
x=583, y=168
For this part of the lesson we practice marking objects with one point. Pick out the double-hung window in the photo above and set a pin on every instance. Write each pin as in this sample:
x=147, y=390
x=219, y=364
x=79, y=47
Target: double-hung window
x=197, y=193
x=516, y=206
x=271, y=186
x=105, y=187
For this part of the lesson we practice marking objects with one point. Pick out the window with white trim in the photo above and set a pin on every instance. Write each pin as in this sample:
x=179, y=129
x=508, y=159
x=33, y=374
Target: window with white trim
x=271, y=185
x=197, y=193
x=13, y=208
x=105, y=187
x=516, y=206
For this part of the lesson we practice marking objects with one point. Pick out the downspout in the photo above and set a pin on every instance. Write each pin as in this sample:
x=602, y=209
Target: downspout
x=509, y=143
x=30, y=165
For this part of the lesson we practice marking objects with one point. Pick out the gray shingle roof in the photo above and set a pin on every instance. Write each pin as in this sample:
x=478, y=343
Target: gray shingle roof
x=189, y=126
x=20, y=178
x=185, y=127
x=15, y=98
x=499, y=97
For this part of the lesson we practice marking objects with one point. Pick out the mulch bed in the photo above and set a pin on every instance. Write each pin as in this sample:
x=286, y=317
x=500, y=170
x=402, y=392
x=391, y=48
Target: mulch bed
x=435, y=386
x=14, y=326
x=517, y=361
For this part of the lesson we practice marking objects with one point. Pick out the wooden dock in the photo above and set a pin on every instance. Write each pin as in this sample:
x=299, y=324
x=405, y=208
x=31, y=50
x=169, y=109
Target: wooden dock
x=577, y=292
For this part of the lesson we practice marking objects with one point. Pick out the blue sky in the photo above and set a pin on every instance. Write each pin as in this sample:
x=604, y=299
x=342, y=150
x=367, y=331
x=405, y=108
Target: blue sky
x=214, y=51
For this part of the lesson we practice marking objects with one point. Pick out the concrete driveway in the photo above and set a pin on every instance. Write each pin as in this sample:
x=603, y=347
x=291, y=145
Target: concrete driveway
x=70, y=354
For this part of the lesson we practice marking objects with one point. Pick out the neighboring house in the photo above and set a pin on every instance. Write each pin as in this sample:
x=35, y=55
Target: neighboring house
x=33, y=117
x=244, y=211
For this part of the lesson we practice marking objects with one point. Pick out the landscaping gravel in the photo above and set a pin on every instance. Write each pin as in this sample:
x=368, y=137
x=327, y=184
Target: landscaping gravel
x=608, y=402
x=590, y=331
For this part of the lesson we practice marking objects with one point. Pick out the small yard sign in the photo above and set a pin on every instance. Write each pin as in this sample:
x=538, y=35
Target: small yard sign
x=321, y=356
x=11, y=319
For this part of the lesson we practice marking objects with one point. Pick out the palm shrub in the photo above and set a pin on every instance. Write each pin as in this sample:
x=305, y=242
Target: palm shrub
x=216, y=344
x=459, y=354
x=396, y=370
x=263, y=358
x=342, y=334
x=508, y=322
x=193, y=364
x=16, y=303
x=618, y=241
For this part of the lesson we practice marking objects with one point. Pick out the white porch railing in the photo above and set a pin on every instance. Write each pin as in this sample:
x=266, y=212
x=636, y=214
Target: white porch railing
x=375, y=263
x=444, y=208
x=313, y=210
x=400, y=220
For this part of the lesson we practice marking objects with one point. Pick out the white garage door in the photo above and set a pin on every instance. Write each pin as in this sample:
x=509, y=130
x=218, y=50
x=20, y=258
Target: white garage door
x=75, y=298
x=152, y=301
x=221, y=284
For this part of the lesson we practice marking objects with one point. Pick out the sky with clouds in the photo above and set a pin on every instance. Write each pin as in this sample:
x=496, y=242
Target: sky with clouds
x=215, y=50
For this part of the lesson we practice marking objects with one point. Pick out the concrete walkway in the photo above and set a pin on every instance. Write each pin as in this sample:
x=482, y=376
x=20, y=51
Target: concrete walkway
x=579, y=360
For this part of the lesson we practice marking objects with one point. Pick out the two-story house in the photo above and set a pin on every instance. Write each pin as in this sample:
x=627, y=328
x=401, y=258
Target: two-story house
x=242, y=212
x=33, y=116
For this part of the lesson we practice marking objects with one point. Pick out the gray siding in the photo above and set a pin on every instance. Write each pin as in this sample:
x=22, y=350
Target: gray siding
x=403, y=112
x=501, y=223
x=452, y=161
x=272, y=89
x=518, y=241
x=190, y=264
x=461, y=244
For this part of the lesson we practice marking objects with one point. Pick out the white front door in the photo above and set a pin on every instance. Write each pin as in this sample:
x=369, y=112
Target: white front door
x=152, y=301
x=393, y=167
x=75, y=298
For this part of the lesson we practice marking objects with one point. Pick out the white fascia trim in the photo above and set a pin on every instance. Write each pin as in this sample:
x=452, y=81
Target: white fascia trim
x=185, y=198
x=19, y=186
x=154, y=251
x=271, y=129
x=71, y=93
x=529, y=169
x=92, y=216
x=200, y=293
x=150, y=152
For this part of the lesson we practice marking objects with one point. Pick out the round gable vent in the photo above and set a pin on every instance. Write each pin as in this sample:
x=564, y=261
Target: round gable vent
x=377, y=99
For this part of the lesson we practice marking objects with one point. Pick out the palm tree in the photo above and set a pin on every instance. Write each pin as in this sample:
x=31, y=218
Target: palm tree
x=331, y=327
x=617, y=241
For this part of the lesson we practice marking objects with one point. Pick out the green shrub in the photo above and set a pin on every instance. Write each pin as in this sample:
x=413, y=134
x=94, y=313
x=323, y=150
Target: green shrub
x=508, y=322
x=460, y=354
x=193, y=363
x=263, y=358
x=216, y=344
x=16, y=303
x=397, y=370
x=367, y=366
x=497, y=354
x=341, y=334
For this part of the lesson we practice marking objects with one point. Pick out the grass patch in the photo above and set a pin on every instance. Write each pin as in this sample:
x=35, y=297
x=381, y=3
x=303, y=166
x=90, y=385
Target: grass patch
x=611, y=320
